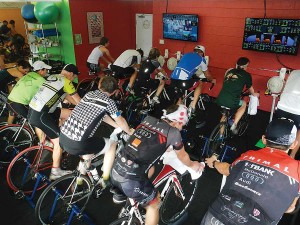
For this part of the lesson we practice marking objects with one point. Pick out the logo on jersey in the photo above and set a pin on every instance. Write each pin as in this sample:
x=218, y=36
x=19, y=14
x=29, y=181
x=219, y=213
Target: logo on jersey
x=256, y=212
x=136, y=142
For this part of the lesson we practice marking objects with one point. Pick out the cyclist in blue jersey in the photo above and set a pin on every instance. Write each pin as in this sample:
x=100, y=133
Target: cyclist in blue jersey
x=186, y=68
x=261, y=185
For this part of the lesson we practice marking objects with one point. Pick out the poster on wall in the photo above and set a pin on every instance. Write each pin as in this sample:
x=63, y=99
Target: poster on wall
x=95, y=26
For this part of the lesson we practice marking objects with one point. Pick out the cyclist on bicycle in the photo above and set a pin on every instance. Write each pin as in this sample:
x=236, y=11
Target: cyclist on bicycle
x=18, y=99
x=149, y=141
x=144, y=78
x=261, y=185
x=45, y=114
x=230, y=95
x=186, y=68
x=98, y=53
x=127, y=65
x=77, y=135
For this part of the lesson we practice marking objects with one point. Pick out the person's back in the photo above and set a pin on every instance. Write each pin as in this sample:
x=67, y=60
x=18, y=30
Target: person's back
x=128, y=58
x=5, y=79
x=188, y=65
x=262, y=184
x=234, y=82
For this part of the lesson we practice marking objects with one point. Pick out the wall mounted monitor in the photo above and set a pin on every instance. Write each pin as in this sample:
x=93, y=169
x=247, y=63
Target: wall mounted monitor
x=272, y=35
x=183, y=27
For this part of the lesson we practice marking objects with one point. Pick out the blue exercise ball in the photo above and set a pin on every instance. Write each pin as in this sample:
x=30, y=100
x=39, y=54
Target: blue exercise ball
x=27, y=12
x=46, y=12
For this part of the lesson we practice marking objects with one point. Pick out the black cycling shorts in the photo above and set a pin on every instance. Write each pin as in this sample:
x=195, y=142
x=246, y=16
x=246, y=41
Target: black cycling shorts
x=122, y=73
x=92, y=145
x=150, y=84
x=296, y=118
x=47, y=122
x=18, y=109
x=184, y=84
x=95, y=68
x=141, y=191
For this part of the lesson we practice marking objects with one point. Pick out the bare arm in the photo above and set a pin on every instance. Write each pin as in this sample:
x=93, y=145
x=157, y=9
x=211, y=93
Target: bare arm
x=221, y=167
x=107, y=119
x=73, y=99
x=122, y=123
x=252, y=92
x=292, y=206
x=209, y=77
x=107, y=53
x=184, y=157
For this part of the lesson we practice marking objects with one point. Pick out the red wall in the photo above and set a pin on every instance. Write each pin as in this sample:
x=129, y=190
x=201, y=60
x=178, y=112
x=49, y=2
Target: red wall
x=220, y=30
x=119, y=25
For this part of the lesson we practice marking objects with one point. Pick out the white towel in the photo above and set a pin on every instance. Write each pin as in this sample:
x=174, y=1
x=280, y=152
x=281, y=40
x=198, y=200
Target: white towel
x=253, y=104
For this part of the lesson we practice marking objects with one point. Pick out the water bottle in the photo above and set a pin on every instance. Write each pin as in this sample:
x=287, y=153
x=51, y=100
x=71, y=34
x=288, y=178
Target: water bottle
x=94, y=173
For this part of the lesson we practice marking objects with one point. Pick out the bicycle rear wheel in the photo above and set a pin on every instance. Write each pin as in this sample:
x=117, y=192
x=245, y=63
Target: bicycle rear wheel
x=62, y=198
x=217, y=138
x=136, y=111
x=126, y=221
x=178, y=198
x=23, y=170
x=86, y=85
x=10, y=148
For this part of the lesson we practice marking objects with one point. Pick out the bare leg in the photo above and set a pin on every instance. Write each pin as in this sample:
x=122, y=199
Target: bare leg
x=40, y=134
x=160, y=87
x=10, y=119
x=197, y=93
x=239, y=113
x=152, y=212
x=57, y=152
x=295, y=150
x=108, y=161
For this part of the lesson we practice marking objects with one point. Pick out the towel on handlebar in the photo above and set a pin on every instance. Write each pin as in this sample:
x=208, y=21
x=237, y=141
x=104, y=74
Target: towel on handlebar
x=253, y=104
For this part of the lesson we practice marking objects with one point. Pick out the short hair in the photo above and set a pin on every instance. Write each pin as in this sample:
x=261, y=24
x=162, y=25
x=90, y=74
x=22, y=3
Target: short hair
x=154, y=53
x=281, y=147
x=108, y=84
x=25, y=64
x=104, y=41
x=141, y=52
x=241, y=62
x=5, y=21
x=12, y=22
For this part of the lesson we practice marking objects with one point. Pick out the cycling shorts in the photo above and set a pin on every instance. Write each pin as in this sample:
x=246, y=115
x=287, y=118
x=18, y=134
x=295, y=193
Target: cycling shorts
x=150, y=84
x=141, y=191
x=91, y=145
x=296, y=118
x=95, y=68
x=47, y=122
x=18, y=109
x=184, y=84
x=122, y=73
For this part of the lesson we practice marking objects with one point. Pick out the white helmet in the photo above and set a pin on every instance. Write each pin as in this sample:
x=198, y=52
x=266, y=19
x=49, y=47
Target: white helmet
x=180, y=115
x=200, y=47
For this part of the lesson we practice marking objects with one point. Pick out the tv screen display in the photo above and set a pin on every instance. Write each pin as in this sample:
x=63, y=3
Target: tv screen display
x=272, y=35
x=182, y=27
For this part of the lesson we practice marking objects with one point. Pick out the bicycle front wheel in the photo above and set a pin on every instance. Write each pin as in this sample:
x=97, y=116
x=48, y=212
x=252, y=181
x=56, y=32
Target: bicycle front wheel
x=64, y=200
x=217, y=138
x=178, y=198
x=23, y=171
x=127, y=220
x=10, y=144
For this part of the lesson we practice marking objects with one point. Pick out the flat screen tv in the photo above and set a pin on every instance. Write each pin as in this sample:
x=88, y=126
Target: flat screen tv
x=272, y=35
x=182, y=27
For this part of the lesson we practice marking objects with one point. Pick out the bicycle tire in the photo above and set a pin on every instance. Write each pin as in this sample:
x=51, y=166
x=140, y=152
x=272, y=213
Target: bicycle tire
x=21, y=172
x=56, y=201
x=9, y=147
x=243, y=124
x=86, y=85
x=216, y=141
x=125, y=221
x=173, y=206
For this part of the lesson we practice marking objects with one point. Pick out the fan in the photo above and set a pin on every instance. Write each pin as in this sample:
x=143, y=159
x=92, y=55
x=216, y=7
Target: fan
x=275, y=85
x=172, y=63
x=161, y=60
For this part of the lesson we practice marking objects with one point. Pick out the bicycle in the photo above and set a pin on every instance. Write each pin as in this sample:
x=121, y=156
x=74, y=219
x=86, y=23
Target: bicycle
x=181, y=183
x=222, y=133
x=67, y=197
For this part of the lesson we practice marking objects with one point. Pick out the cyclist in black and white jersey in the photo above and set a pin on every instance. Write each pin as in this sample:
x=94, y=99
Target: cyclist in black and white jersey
x=150, y=140
x=127, y=65
x=78, y=132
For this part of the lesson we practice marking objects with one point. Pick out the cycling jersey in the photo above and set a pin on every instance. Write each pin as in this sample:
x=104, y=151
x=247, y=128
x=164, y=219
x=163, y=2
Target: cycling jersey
x=95, y=55
x=128, y=58
x=147, y=68
x=149, y=141
x=290, y=97
x=88, y=114
x=51, y=93
x=234, y=82
x=260, y=188
x=26, y=88
x=188, y=65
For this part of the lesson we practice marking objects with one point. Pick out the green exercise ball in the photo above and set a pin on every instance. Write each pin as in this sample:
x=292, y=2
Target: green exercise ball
x=46, y=12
